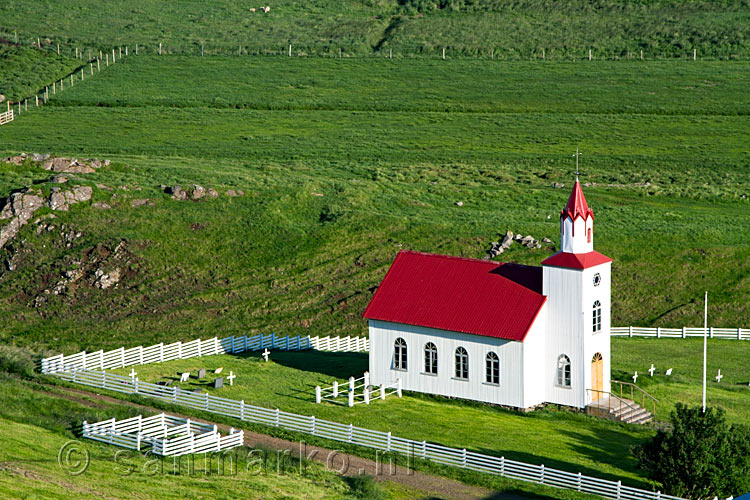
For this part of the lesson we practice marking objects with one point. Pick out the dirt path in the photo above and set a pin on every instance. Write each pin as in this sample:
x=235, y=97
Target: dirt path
x=432, y=486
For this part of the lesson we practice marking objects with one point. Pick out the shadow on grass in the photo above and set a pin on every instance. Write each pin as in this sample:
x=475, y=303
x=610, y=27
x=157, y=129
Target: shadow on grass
x=338, y=365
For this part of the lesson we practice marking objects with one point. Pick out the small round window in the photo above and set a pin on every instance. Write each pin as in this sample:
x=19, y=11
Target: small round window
x=597, y=279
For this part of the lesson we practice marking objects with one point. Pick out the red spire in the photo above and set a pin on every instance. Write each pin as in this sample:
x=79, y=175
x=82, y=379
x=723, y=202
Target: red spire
x=577, y=206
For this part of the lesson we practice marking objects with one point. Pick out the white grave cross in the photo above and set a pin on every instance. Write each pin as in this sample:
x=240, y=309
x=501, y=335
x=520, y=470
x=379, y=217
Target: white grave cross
x=231, y=378
x=185, y=377
x=266, y=352
x=718, y=377
x=651, y=370
x=635, y=377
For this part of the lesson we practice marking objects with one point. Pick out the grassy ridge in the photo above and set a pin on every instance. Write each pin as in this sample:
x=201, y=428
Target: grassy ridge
x=338, y=180
x=518, y=29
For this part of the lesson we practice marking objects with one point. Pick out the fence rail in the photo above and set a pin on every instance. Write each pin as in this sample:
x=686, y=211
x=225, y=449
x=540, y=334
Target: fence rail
x=157, y=353
x=684, y=332
x=167, y=435
x=7, y=116
x=364, y=437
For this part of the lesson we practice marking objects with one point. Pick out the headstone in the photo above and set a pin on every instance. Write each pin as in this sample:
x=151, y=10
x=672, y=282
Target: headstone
x=202, y=373
x=669, y=372
x=219, y=383
x=218, y=370
x=185, y=377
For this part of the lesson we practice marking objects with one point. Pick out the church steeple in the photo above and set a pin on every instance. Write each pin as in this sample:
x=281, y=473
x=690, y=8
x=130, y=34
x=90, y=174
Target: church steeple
x=577, y=223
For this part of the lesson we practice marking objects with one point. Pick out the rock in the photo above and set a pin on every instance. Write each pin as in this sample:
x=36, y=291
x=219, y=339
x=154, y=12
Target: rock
x=104, y=187
x=140, y=202
x=39, y=157
x=198, y=192
x=232, y=193
x=212, y=193
x=57, y=201
x=9, y=231
x=67, y=165
x=177, y=192
x=106, y=280
x=2, y=98
x=59, y=179
x=82, y=193
x=557, y=185
x=459, y=203
x=16, y=160
x=101, y=205
x=95, y=163
x=546, y=240
x=507, y=239
x=518, y=237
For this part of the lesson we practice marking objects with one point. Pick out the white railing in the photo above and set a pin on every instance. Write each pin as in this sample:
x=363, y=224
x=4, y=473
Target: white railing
x=365, y=437
x=167, y=435
x=6, y=117
x=333, y=393
x=684, y=332
x=157, y=353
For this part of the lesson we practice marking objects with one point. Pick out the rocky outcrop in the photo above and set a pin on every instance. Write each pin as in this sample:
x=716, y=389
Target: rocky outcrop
x=234, y=193
x=73, y=165
x=195, y=193
x=21, y=206
x=141, y=202
x=497, y=248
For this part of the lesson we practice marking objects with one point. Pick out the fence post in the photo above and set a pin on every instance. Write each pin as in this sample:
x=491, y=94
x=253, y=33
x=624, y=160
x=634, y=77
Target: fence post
x=739, y=333
x=312, y=424
x=463, y=458
x=83, y=360
x=424, y=450
x=216, y=345
x=579, y=482
x=140, y=354
x=658, y=332
x=122, y=356
x=317, y=394
x=684, y=332
x=136, y=385
x=200, y=354
x=277, y=417
x=161, y=352
x=351, y=432
x=382, y=391
x=351, y=384
x=388, y=442
x=630, y=331
x=619, y=485
x=541, y=474
x=711, y=332
x=398, y=387
x=367, y=394
x=206, y=401
x=287, y=342
x=335, y=389
x=159, y=48
x=136, y=49
x=179, y=349
x=174, y=394
x=351, y=399
x=242, y=409
x=104, y=379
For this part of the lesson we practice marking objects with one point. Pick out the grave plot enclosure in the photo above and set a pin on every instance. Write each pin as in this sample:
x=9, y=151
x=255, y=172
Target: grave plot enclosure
x=165, y=434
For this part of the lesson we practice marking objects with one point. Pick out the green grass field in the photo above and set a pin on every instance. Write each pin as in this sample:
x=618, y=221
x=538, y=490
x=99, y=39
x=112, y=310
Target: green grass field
x=487, y=28
x=664, y=146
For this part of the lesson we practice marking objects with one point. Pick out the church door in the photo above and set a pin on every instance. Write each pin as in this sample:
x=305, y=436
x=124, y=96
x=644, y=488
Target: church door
x=597, y=376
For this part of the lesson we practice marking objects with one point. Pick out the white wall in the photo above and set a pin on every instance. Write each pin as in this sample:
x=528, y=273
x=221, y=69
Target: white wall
x=570, y=298
x=573, y=235
x=535, y=370
x=509, y=392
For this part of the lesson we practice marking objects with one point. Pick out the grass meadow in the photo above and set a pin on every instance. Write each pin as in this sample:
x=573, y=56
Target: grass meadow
x=491, y=28
x=340, y=174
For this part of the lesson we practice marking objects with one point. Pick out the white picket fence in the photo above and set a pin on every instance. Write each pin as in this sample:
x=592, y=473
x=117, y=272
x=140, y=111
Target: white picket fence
x=331, y=394
x=6, y=117
x=684, y=332
x=364, y=437
x=157, y=353
x=166, y=434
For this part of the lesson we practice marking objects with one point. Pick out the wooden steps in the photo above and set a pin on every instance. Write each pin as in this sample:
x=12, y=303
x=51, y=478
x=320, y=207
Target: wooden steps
x=619, y=409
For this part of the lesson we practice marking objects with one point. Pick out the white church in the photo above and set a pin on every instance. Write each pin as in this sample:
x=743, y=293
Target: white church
x=495, y=332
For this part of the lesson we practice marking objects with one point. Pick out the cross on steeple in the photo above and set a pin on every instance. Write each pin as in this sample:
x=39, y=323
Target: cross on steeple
x=577, y=155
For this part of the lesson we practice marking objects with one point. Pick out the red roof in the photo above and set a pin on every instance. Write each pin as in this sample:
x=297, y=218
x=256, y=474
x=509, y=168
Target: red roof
x=576, y=260
x=577, y=206
x=460, y=295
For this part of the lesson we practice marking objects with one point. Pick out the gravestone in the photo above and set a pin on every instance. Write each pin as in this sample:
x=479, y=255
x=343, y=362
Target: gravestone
x=168, y=383
x=219, y=383
x=202, y=373
x=218, y=370
x=184, y=377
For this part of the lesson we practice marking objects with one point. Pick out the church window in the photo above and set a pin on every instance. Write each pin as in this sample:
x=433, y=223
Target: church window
x=399, y=354
x=493, y=368
x=563, y=371
x=597, y=316
x=462, y=363
x=430, y=358
x=588, y=235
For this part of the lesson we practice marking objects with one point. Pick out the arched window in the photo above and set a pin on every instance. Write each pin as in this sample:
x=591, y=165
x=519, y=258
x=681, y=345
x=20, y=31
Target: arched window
x=588, y=235
x=399, y=354
x=462, y=363
x=597, y=316
x=563, y=371
x=493, y=368
x=430, y=358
